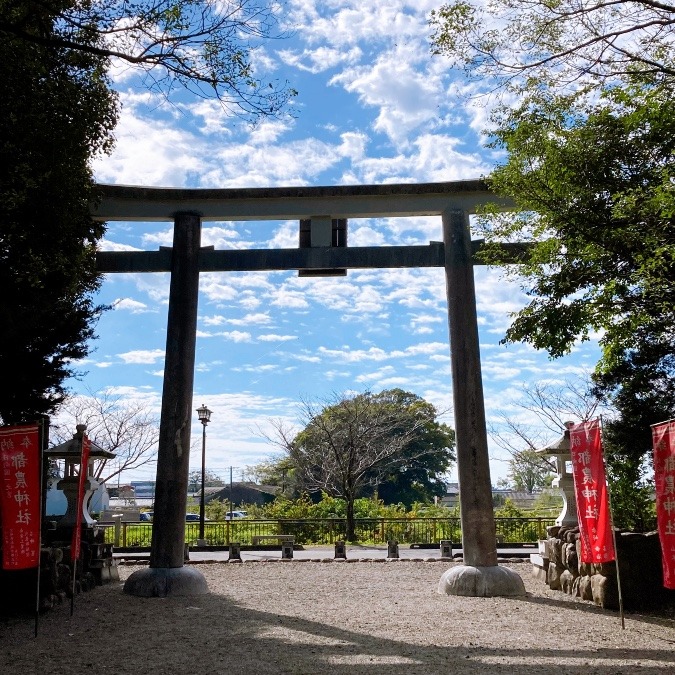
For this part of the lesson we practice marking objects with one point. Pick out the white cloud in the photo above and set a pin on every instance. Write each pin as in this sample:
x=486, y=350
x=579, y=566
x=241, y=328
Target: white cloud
x=271, y=337
x=133, y=306
x=150, y=152
x=236, y=336
x=142, y=356
x=258, y=318
x=320, y=59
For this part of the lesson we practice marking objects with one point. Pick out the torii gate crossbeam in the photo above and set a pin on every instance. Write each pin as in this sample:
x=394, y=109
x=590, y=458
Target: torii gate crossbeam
x=454, y=202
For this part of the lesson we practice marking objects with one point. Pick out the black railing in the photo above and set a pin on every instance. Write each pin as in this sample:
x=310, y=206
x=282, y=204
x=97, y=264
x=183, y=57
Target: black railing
x=330, y=530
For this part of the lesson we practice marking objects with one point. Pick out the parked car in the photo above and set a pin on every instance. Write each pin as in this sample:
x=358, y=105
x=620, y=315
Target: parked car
x=146, y=516
x=194, y=518
x=231, y=515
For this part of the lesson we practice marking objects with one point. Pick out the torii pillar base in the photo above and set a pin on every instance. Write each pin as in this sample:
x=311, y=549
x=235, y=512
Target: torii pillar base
x=481, y=582
x=159, y=582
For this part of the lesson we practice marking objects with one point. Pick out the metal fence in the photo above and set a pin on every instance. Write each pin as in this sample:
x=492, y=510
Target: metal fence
x=330, y=530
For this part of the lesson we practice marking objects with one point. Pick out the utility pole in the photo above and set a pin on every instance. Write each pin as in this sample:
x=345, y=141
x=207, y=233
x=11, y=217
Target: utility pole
x=231, y=500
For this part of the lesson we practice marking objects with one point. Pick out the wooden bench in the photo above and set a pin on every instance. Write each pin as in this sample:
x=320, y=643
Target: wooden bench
x=255, y=540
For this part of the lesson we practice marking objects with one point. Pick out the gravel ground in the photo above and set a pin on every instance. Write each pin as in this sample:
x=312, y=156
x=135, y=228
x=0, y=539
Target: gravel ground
x=359, y=618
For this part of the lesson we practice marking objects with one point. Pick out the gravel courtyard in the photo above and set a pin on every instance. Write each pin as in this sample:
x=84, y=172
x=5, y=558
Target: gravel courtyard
x=359, y=618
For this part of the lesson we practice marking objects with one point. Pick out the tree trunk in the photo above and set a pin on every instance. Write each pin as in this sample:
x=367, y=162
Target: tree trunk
x=351, y=525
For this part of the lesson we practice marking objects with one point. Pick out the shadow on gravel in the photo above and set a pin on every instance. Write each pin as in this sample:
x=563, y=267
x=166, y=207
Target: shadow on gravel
x=114, y=633
x=658, y=617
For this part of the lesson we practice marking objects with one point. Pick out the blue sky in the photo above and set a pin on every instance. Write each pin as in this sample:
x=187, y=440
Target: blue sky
x=373, y=107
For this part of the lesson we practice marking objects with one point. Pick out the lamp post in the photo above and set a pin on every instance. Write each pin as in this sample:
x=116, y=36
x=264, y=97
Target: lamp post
x=204, y=415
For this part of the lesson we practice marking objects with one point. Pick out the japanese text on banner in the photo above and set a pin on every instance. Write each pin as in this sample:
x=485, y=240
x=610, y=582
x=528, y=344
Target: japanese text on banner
x=663, y=439
x=20, y=497
x=590, y=487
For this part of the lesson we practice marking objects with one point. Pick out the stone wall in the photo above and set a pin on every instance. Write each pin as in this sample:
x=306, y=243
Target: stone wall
x=641, y=575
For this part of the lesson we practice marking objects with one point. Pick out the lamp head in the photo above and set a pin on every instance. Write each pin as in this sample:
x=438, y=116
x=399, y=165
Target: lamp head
x=204, y=414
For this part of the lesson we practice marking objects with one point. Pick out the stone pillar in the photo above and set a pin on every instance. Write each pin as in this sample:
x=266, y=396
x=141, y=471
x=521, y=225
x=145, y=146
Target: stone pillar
x=166, y=574
x=479, y=576
x=473, y=464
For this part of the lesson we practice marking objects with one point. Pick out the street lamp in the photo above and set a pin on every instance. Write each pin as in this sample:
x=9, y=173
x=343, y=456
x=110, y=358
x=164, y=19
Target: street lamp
x=204, y=415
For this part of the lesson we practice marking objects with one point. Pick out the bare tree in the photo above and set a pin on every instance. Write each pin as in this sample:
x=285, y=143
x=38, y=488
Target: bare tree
x=125, y=428
x=543, y=410
x=353, y=441
x=205, y=46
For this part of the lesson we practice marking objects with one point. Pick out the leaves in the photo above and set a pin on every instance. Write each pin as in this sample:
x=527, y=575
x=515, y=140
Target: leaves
x=521, y=45
x=361, y=441
x=202, y=46
x=55, y=115
x=606, y=240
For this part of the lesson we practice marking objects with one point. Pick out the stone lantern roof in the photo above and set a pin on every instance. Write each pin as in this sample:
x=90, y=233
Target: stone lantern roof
x=72, y=449
x=560, y=446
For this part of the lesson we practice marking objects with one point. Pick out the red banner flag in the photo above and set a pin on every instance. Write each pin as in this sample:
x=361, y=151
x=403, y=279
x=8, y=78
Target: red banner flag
x=77, y=529
x=663, y=440
x=590, y=488
x=20, y=496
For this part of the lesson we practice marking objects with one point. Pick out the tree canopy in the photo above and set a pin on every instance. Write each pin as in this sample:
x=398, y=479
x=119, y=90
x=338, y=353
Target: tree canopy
x=529, y=471
x=589, y=164
x=567, y=43
x=201, y=45
x=56, y=112
x=355, y=442
x=593, y=185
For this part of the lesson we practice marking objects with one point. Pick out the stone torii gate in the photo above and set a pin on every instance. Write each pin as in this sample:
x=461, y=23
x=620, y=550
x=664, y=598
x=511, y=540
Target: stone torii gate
x=323, y=212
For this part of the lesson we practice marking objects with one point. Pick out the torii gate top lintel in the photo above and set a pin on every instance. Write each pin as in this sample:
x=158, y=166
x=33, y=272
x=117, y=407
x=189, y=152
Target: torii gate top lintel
x=134, y=203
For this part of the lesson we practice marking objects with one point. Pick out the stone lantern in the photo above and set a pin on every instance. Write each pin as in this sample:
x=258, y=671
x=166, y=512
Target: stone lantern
x=560, y=450
x=71, y=452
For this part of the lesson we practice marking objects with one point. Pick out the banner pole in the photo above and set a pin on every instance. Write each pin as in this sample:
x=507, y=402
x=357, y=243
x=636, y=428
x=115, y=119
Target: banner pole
x=72, y=589
x=43, y=439
x=616, y=548
x=657, y=424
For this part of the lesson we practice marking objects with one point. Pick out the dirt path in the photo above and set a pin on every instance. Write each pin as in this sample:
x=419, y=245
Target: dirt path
x=357, y=618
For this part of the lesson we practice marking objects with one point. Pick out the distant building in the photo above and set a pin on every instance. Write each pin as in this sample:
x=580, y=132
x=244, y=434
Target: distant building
x=243, y=493
x=144, y=489
x=451, y=496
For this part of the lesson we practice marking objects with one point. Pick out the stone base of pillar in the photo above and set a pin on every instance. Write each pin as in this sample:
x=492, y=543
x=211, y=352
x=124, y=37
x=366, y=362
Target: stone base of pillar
x=481, y=582
x=159, y=582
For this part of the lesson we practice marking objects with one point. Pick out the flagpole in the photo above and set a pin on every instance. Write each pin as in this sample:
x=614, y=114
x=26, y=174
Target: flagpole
x=616, y=548
x=72, y=590
x=43, y=436
x=78, y=516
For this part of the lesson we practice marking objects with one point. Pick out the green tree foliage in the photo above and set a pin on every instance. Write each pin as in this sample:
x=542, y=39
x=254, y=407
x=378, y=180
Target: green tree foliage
x=277, y=471
x=628, y=456
x=561, y=44
x=356, y=442
x=593, y=185
x=590, y=169
x=427, y=457
x=203, y=46
x=56, y=112
x=529, y=471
